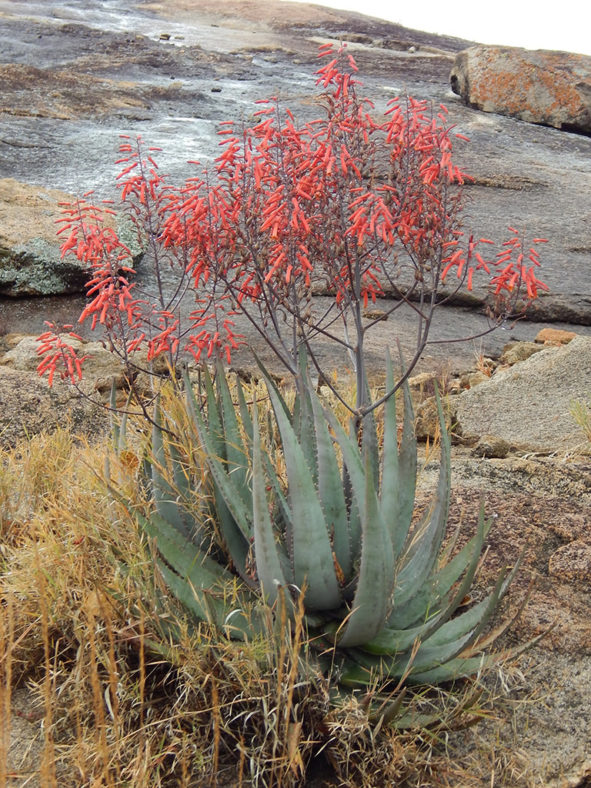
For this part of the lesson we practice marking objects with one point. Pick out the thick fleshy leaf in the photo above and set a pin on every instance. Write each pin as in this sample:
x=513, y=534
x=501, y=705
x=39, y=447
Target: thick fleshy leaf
x=218, y=467
x=407, y=464
x=332, y=495
x=182, y=556
x=205, y=606
x=444, y=600
x=453, y=669
x=303, y=415
x=416, y=573
x=398, y=466
x=266, y=548
x=376, y=574
x=312, y=558
x=463, y=665
x=233, y=515
x=354, y=512
x=352, y=460
x=203, y=585
x=369, y=440
x=465, y=561
x=168, y=500
x=372, y=600
x=245, y=416
x=236, y=454
x=477, y=616
x=215, y=425
x=446, y=644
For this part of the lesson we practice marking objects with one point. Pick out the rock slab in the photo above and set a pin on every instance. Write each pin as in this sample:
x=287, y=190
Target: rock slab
x=538, y=86
x=528, y=405
x=30, y=258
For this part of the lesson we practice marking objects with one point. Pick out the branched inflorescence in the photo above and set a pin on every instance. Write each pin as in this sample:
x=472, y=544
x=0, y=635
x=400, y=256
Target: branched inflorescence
x=350, y=204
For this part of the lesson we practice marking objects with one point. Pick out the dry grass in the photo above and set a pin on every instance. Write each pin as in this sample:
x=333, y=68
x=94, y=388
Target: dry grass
x=581, y=413
x=123, y=690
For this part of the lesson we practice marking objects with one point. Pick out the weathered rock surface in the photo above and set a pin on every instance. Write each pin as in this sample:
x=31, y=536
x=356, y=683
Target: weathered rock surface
x=28, y=406
x=77, y=77
x=22, y=355
x=538, y=86
x=30, y=260
x=554, y=336
x=539, y=731
x=572, y=561
x=528, y=404
x=514, y=352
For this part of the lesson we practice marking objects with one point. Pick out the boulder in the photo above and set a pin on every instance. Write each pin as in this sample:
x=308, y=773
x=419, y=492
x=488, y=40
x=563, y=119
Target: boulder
x=427, y=425
x=492, y=447
x=538, y=86
x=555, y=307
x=30, y=259
x=28, y=406
x=540, y=509
x=554, y=336
x=514, y=352
x=473, y=377
x=24, y=357
x=528, y=405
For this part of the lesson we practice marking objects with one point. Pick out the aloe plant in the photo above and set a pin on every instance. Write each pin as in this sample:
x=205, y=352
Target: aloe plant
x=380, y=593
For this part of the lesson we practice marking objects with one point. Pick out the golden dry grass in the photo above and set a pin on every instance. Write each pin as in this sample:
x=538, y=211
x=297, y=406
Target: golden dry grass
x=123, y=690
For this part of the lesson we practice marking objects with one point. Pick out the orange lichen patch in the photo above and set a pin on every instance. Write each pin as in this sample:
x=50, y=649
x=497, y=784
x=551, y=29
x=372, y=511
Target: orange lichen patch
x=523, y=83
x=537, y=86
x=554, y=336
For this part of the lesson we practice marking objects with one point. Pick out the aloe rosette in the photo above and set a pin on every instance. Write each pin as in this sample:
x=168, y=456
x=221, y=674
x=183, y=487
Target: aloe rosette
x=335, y=524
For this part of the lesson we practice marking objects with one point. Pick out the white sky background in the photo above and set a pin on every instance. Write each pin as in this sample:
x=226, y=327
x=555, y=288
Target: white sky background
x=534, y=25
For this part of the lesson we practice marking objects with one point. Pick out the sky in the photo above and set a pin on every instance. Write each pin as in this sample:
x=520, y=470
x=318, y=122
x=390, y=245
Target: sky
x=523, y=23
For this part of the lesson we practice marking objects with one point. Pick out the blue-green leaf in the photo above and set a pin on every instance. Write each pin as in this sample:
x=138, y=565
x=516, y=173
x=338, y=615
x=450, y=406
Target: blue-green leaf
x=330, y=490
x=415, y=578
x=312, y=558
x=398, y=466
x=373, y=596
x=267, y=549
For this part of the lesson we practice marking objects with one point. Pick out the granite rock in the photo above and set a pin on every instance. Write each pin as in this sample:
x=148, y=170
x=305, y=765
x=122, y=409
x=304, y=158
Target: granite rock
x=538, y=86
x=528, y=405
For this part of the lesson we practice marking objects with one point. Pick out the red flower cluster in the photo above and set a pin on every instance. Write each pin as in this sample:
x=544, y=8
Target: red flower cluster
x=59, y=355
x=349, y=203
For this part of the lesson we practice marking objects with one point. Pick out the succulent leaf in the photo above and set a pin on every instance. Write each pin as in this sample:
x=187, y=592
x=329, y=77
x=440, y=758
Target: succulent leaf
x=398, y=466
x=268, y=561
x=312, y=559
x=233, y=515
x=415, y=578
x=335, y=522
x=332, y=495
x=373, y=595
x=168, y=499
x=236, y=454
x=439, y=602
x=407, y=463
x=230, y=495
x=245, y=416
x=369, y=436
